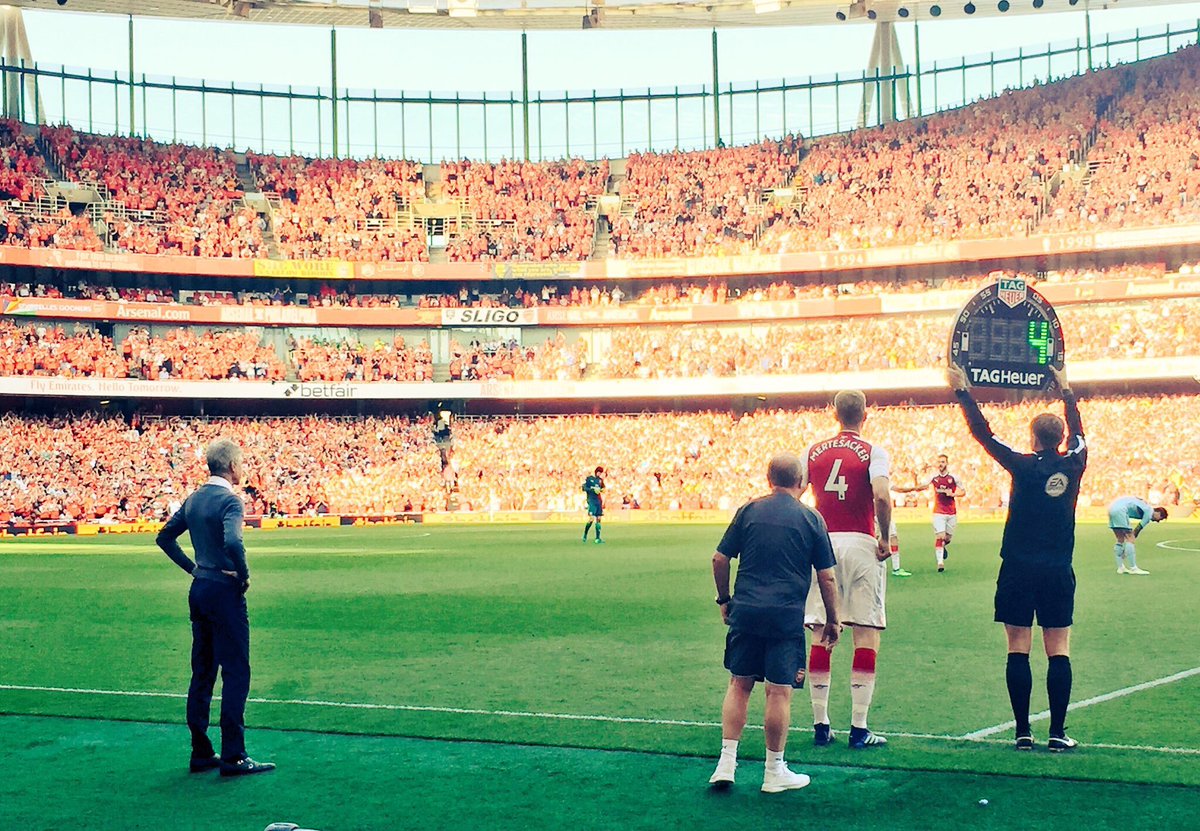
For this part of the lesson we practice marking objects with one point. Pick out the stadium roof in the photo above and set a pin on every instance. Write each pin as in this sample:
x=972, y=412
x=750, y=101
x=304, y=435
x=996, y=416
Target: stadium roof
x=562, y=14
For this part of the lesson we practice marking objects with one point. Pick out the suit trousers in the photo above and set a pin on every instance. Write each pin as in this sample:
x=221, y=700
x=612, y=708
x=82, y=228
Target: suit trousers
x=220, y=639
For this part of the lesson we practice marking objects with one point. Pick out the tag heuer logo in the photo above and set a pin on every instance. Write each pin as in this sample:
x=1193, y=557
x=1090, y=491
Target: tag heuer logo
x=1012, y=291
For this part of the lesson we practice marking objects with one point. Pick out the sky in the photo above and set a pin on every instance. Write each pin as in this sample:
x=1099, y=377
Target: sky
x=576, y=60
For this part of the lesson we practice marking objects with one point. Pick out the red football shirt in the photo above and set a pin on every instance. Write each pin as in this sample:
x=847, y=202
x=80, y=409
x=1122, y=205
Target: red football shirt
x=840, y=470
x=943, y=504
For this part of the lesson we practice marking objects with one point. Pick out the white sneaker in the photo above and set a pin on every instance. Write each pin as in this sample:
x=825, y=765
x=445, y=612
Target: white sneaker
x=723, y=775
x=1138, y=571
x=1121, y=569
x=783, y=779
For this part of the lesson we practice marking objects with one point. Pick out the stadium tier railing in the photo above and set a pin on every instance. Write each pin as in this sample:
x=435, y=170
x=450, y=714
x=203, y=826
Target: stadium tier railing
x=632, y=313
x=734, y=265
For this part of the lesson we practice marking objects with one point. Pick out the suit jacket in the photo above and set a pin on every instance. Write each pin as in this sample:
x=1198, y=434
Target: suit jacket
x=213, y=518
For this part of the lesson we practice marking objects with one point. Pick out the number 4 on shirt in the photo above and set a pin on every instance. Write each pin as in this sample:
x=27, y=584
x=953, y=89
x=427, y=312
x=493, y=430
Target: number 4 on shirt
x=836, y=483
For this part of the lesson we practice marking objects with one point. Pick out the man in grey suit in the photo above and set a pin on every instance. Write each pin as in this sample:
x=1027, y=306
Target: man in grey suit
x=220, y=625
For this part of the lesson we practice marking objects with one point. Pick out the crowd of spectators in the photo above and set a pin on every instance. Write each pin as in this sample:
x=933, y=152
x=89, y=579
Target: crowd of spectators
x=1092, y=332
x=714, y=460
x=191, y=354
x=195, y=354
x=343, y=209
x=1101, y=331
x=352, y=360
x=527, y=211
x=49, y=349
x=165, y=198
x=89, y=467
x=980, y=171
x=706, y=202
x=104, y=468
x=1147, y=157
x=21, y=165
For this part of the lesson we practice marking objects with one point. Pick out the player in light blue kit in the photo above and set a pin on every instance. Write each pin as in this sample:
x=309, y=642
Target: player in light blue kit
x=1121, y=515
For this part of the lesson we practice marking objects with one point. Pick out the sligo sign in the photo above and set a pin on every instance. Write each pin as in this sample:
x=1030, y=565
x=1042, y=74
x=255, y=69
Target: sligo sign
x=489, y=317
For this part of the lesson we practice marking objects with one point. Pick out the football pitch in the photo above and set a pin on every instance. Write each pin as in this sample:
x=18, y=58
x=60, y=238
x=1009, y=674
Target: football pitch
x=513, y=677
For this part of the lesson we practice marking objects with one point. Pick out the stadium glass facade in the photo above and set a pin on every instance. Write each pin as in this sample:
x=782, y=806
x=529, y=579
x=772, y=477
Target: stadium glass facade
x=543, y=124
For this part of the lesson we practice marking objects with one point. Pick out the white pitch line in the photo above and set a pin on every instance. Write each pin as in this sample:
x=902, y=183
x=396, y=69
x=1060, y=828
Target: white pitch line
x=1167, y=545
x=416, y=708
x=1088, y=702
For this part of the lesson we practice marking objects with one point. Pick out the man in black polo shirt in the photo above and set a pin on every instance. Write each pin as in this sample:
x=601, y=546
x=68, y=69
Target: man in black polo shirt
x=1036, y=577
x=779, y=542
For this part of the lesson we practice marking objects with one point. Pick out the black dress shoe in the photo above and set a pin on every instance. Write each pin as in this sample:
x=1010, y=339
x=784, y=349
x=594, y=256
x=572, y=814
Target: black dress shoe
x=199, y=764
x=245, y=766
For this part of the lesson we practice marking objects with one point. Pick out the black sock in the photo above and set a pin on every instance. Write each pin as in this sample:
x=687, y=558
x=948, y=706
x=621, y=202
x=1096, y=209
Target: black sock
x=1020, y=684
x=586, y=528
x=1058, y=687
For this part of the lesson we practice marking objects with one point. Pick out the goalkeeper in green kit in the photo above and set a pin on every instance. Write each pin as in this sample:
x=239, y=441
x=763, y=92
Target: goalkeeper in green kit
x=593, y=487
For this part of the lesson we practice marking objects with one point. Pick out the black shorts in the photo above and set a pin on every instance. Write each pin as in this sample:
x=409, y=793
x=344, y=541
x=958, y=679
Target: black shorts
x=1027, y=589
x=778, y=661
x=596, y=510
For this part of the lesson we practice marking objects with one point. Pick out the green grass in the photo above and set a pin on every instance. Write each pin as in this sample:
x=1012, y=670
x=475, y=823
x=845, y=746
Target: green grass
x=504, y=621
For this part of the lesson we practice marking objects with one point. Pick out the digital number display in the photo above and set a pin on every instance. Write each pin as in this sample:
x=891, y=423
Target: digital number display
x=1007, y=336
x=1010, y=340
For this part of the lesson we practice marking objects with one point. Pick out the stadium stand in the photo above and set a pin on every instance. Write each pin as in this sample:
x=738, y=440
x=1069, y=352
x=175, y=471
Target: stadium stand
x=525, y=210
x=160, y=198
x=1145, y=167
x=343, y=209
x=1111, y=148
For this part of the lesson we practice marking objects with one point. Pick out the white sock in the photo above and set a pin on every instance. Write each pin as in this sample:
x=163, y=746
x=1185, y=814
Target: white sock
x=1119, y=550
x=729, y=748
x=774, y=759
x=940, y=553
x=1130, y=555
x=895, y=559
x=818, y=687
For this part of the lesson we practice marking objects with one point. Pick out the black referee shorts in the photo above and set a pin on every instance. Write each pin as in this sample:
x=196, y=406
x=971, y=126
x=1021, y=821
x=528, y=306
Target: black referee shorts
x=1025, y=590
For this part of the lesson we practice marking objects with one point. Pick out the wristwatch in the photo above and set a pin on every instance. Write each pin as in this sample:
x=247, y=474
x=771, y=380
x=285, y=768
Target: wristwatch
x=722, y=602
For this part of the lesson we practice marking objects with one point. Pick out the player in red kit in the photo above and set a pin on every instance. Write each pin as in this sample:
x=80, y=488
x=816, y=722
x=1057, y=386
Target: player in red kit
x=849, y=478
x=946, y=490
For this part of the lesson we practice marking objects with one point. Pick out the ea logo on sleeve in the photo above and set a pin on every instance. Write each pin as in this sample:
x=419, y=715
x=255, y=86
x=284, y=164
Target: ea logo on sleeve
x=1056, y=485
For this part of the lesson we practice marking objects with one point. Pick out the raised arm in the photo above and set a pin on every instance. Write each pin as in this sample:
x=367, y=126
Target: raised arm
x=976, y=423
x=1075, y=441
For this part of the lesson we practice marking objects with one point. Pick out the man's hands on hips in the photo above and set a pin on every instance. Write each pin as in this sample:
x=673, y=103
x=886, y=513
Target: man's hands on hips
x=245, y=583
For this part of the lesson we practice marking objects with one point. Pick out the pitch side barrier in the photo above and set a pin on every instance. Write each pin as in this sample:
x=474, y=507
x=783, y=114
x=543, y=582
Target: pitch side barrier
x=890, y=380
x=92, y=529
x=808, y=262
x=1097, y=513
x=629, y=314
